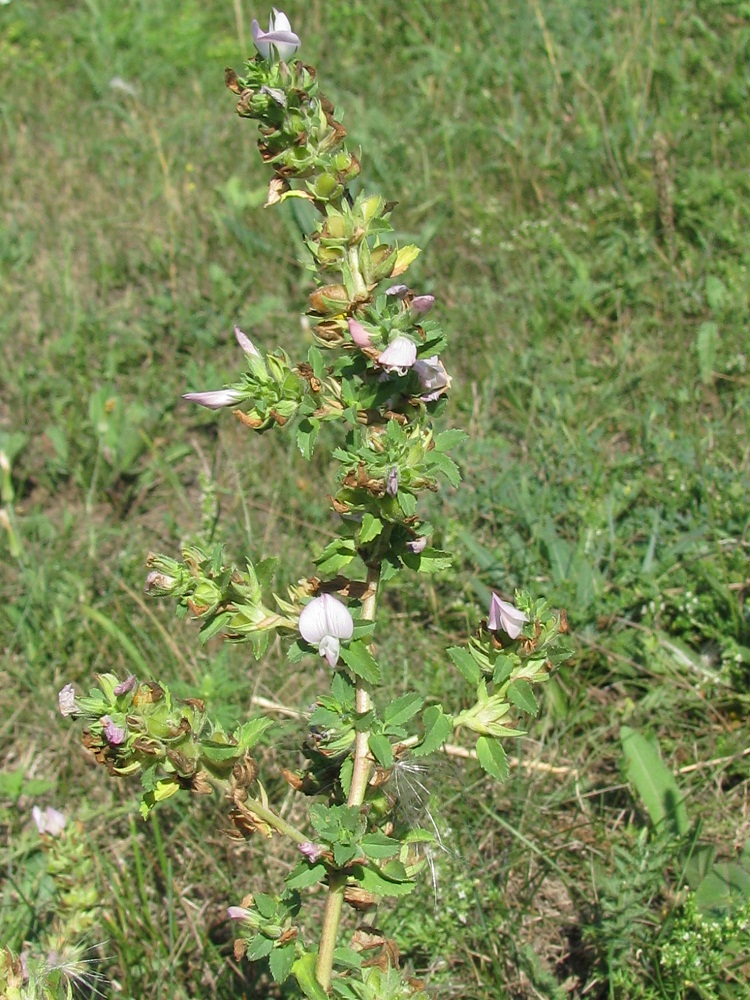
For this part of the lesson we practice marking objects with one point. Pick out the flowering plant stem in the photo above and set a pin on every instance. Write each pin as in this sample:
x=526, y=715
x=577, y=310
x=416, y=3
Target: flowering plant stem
x=357, y=789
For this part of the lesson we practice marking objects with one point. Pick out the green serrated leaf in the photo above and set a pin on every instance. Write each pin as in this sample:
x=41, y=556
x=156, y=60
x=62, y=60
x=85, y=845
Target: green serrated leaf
x=492, y=757
x=428, y=560
x=305, y=875
x=521, y=695
x=259, y=947
x=449, y=439
x=466, y=664
x=373, y=881
x=371, y=528
x=361, y=662
x=281, y=961
x=381, y=749
x=402, y=709
x=437, y=728
x=378, y=845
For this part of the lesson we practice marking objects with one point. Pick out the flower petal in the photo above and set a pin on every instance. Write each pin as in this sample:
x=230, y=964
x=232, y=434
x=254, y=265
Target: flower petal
x=329, y=647
x=66, y=700
x=359, y=334
x=246, y=344
x=421, y=304
x=325, y=616
x=399, y=355
x=506, y=617
x=215, y=399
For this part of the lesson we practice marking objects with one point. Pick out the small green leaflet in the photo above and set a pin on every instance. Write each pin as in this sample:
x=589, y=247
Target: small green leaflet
x=259, y=947
x=437, y=728
x=361, y=662
x=377, y=845
x=305, y=875
x=250, y=732
x=428, y=560
x=447, y=440
x=521, y=695
x=492, y=757
x=371, y=528
x=381, y=749
x=402, y=709
x=466, y=664
x=281, y=961
x=375, y=881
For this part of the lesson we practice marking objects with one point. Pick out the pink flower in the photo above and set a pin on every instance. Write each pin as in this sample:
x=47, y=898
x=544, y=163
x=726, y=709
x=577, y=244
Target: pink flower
x=399, y=355
x=126, y=686
x=112, y=733
x=246, y=344
x=238, y=912
x=311, y=851
x=359, y=334
x=279, y=40
x=215, y=399
x=432, y=376
x=417, y=545
x=421, y=304
x=323, y=622
x=50, y=821
x=506, y=617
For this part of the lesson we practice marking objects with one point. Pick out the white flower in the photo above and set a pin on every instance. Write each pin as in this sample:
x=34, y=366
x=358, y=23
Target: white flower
x=323, y=622
x=399, y=355
x=506, y=617
x=279, y=38
x=50, y=821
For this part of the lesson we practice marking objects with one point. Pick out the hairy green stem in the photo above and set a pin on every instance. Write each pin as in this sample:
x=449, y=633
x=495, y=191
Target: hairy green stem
x=357, y=789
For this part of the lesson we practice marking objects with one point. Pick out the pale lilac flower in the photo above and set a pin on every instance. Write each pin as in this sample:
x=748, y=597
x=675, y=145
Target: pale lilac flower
x=398, y=291
x=66, y=700
x=246, y=344
x=391, y=487
x=359, y=334
x=215, y=399
x=417, y=545
x=421, y=304
x=432, y=376
x=506, y=617
x=238, y=912
x=311, y=851
x=113, y=734
x=50, y=821
x=323, y=622
x=126, y=686
x=399, y=355
x=279, y=37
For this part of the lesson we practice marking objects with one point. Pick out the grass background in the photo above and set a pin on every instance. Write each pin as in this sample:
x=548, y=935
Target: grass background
x=577, y=175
